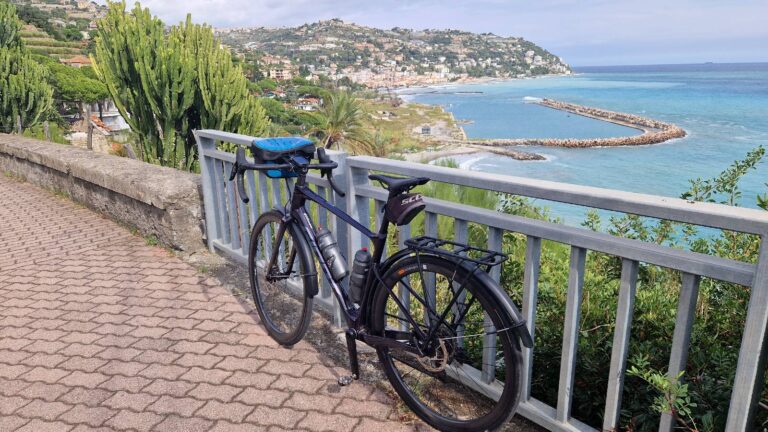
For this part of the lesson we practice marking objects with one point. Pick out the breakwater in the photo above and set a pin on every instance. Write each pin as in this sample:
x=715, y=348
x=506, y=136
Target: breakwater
x=654, y=131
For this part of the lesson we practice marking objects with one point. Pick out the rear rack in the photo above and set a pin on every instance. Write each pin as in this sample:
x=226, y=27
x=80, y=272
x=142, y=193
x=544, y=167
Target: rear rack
x=463, y=252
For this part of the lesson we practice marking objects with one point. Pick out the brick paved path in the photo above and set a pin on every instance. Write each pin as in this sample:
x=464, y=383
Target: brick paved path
x=97, y=329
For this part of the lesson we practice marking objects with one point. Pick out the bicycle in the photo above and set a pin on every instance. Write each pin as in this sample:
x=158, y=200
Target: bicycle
x=428, y=310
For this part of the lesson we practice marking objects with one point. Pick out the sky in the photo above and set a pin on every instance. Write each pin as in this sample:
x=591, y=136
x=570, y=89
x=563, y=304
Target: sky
x=582, y=32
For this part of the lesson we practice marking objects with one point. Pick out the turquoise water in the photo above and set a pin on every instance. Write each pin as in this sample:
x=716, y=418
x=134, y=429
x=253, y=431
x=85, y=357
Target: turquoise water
x=724, y=109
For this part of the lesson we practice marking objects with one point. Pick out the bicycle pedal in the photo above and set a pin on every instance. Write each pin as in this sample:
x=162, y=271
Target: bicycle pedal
x=346, y=380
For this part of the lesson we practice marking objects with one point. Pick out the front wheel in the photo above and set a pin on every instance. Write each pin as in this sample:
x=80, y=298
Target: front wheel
x=281, y=291
x=468, y=374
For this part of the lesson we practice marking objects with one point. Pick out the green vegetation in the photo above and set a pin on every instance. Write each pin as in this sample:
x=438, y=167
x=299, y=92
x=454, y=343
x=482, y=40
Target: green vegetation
x=43, y=20
x=26, y=98
x=341, y=121
x=10, y=26
x=700, y=397
x=55, y=133
x=167, y=84
x=73, y=85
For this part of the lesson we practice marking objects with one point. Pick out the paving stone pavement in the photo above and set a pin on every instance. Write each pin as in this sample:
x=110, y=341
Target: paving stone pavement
x=99, y=331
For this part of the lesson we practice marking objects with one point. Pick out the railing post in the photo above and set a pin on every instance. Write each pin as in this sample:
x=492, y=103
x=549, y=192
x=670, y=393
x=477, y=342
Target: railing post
x=209, y=191
x=571, y=333
x=750, y=370
x=678, y=358
x=354, y=177
x=621, y=335
x=342, y=179
x=530, y=299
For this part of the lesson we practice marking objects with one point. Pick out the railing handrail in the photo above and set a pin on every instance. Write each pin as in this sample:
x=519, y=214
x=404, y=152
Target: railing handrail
x=712, y=215
x=740, y=219
x=722, y=269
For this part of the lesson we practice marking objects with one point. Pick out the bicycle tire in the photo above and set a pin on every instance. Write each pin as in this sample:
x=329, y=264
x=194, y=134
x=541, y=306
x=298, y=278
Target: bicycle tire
x=428, y=399
x=283, y=303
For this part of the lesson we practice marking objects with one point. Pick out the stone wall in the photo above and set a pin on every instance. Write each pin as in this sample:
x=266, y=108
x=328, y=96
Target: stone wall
x=158, y=201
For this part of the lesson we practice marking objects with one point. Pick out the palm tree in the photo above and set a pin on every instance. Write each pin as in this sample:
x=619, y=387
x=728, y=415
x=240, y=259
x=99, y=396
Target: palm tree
x=341, y=121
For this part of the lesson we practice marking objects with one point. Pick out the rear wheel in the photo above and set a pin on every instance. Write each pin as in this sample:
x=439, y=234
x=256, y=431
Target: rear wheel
x=447, y=384
x=280, y=292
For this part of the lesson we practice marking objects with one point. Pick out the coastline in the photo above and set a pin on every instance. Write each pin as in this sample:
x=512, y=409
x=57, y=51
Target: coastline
x=460, y=150
x=653, y=132
x=463, y=81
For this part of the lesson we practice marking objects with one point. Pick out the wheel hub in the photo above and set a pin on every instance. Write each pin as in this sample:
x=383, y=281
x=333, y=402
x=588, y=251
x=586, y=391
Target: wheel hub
x=443, y=353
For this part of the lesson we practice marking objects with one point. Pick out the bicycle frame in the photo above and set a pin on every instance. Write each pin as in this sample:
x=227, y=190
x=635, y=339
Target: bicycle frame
x=296, y=211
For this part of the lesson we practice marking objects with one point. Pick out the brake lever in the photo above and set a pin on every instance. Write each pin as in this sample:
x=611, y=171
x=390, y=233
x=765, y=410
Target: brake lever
x=335, y=188
x=235, y=169
x=328, y=173
x=241, y=188
x=237, y=172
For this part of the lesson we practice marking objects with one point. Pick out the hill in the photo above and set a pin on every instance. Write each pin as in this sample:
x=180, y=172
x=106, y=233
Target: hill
x=59, y=20
x=395, y=57
x=39, y=42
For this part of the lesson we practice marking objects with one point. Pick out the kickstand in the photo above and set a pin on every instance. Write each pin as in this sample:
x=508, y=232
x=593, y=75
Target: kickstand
x=353, y=363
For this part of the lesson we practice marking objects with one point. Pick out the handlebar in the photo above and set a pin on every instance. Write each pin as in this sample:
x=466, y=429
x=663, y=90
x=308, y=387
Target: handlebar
x=326, y=167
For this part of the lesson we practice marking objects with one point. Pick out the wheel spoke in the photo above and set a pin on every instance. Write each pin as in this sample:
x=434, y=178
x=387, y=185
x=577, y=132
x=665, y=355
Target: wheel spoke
x=450, y=378
x=278, y=291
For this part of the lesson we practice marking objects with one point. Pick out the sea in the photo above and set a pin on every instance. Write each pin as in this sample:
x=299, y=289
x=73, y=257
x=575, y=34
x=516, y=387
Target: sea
x=722, y=107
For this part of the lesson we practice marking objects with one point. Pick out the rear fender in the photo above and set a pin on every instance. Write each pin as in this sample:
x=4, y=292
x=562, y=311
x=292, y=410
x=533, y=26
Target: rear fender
x=518, y=324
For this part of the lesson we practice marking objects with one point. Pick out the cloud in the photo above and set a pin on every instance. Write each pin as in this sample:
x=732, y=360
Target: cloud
x=582, y=31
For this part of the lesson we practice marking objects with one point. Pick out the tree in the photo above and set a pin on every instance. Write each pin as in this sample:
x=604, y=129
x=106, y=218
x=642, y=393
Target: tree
x=267, y=84
x=341, y=121
x=73, y=85
x=10, y=27
x=25, y=94
x=167, y=84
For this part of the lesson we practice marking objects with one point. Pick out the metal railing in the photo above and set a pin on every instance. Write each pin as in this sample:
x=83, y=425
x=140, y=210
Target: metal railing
x=228, y=221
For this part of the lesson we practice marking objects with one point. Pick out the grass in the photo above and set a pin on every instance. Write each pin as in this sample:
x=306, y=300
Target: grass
x=13, y=176
x=60, y=194
x=54, y=50
x=151, y=240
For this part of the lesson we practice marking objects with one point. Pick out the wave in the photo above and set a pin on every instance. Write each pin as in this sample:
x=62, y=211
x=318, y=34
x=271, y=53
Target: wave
x=467, y=164
x=531, y=99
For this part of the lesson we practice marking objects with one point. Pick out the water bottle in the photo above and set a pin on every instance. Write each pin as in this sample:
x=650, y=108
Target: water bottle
x=331, y=254
x=360, y=266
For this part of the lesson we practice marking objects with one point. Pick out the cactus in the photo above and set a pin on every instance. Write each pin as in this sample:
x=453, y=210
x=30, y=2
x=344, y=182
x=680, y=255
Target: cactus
x=10, y=26
x=24, y=90
x=25, y=95
x=166, y=84
x=224, y=90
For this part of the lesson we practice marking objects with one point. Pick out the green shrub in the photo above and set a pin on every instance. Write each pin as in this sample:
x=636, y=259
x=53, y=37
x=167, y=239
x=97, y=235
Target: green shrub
x=702, y=395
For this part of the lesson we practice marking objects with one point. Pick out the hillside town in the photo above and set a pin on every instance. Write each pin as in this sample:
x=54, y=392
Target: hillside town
x=389, y=58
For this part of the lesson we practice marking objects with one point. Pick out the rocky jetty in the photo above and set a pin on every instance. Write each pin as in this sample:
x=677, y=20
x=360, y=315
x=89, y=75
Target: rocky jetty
x=654, y=131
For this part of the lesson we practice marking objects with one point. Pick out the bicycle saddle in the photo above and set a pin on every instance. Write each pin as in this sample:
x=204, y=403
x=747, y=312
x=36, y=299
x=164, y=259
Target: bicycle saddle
x=398, y=185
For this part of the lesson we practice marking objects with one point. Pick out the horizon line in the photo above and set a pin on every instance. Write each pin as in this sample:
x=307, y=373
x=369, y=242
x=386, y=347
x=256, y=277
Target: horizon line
x=755, y=62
